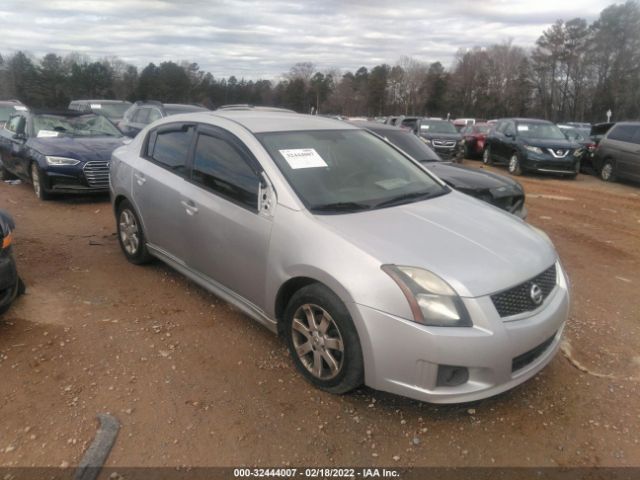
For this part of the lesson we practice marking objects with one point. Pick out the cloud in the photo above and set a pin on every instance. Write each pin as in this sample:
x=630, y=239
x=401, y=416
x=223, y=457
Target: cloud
x=263, y=39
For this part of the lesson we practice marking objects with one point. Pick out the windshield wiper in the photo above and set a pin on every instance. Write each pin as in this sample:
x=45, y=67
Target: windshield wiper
x=340, y=207
x=407, y=198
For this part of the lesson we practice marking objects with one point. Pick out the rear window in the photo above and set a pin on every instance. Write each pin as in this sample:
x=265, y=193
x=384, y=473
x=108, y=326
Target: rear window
x=623, y=133
x=171, y=148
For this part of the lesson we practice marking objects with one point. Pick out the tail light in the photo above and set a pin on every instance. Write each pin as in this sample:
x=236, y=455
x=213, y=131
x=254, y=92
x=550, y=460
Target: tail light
x=591, y=147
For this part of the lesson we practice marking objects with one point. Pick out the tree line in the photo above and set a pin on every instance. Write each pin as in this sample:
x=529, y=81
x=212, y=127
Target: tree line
x=575, y=71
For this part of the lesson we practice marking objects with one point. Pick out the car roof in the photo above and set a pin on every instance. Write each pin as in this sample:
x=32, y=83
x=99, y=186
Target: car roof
x=97, y=100
x=528, y=120
x=260, y=121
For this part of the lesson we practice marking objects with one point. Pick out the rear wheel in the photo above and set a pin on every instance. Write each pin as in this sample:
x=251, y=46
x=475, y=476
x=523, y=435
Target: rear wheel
x=323, y=340
x=608, y=171
x=514, y=165
x=130, y=235
x=37, y=180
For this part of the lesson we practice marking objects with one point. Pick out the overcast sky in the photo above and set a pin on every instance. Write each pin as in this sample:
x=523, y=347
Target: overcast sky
x=263, y=39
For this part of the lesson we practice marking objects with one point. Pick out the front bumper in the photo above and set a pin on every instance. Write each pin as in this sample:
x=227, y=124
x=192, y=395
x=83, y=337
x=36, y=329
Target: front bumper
x=547, y=164
x=404, y=357
x=89, y=177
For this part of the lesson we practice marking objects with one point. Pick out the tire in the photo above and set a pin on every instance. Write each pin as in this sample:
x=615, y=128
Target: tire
x=130, y=235
x=314, y=319
x=4, y=173
x=486, y=156
x=514, y=164
x=608, y=171
x=18, y=290
x=37, y=180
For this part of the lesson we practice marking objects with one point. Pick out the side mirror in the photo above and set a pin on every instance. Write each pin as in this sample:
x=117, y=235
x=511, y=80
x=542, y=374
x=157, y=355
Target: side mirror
x=21, y=137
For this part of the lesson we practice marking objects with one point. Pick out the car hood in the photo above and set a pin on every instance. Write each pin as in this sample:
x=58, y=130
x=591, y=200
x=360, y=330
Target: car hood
x=543, y=143
x=441, y=136
x=467, y=178
x=83, y=149
x=475, y=247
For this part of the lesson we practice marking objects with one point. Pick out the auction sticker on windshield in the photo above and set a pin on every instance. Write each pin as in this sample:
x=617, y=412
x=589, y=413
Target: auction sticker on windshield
x=20, y=108
x=47, y=133
x=303, y=158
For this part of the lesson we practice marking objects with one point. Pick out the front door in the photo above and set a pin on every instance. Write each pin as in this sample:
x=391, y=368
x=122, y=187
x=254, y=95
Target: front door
x=229, y=237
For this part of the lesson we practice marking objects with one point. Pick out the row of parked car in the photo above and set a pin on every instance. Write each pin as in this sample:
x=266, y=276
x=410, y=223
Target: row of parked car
x=611, y=150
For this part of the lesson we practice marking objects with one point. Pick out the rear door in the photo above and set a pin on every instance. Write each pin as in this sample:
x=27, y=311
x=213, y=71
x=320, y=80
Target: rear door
x=229, y=237
x=633, y=157
x=623, y=149
x=159, y=184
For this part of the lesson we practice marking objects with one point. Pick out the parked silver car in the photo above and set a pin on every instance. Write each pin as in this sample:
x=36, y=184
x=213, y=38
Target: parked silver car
x=372, y=269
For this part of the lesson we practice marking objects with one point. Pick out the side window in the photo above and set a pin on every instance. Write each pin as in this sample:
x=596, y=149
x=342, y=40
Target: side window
x=141, y=116
x=509, y=128
x=219, y=166
x=501, y=126
x=12, y=124
x=623, y=133
x=154, y=114
x=636, y=137
x=170, y=148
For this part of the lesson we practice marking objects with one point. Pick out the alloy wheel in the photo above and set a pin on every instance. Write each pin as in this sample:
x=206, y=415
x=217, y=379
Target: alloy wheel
x=317, y=341
x=129, y=231
x=607, y=169
x=35, y=180
x=513, y=164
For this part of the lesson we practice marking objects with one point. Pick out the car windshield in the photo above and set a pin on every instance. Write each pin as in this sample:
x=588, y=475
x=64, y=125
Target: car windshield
x=482, y=129
x=7, y=111
x=112, y=110
x=88, y=125
x=176, y=109
x=342, y=171
x=411, y=144
x=437, y=127
x=543, y=131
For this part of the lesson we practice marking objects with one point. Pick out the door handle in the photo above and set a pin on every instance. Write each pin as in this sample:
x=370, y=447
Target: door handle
x=190, y=207
x=140, y=179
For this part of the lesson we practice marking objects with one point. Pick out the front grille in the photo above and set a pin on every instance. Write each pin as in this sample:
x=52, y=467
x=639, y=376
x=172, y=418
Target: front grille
x=526, y=358
x=444, y=143
x=97, y=174
x=518, y=299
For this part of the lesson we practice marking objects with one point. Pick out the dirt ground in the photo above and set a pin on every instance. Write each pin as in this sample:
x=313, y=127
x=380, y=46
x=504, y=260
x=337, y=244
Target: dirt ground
x=196, y=383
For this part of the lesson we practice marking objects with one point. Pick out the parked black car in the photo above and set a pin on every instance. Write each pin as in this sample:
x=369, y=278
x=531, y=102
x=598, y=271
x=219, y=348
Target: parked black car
x=531, y=145
x=618, y=153
x=440, y=135
x=58, y=151
x=10, y=283
x=141, y=114
x=112, y=109
x=8, y=108
x=503, y=192
x=581, y=135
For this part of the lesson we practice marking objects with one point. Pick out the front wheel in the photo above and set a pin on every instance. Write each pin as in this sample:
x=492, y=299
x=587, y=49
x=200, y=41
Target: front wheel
x=130, y=235
x=514, y=165
x=486, y=156
x=37, y=180
x=4, y=173
x=608, y=171
x=323, y=340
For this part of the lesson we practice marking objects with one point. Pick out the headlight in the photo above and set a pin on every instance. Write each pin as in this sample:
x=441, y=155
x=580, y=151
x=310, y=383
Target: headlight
x=578, y=152
x=433, y=302
x=537, y=150
x=426, y=140
x=61, y=161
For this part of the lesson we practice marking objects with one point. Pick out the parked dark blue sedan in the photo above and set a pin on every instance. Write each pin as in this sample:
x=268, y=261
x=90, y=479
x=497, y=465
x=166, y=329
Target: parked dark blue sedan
x=58, y=152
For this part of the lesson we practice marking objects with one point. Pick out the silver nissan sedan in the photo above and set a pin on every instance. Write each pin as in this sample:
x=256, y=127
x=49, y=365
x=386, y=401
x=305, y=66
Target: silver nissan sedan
x=370, y=267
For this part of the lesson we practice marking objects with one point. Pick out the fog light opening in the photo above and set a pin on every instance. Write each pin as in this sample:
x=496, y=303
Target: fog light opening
x=452, y=376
